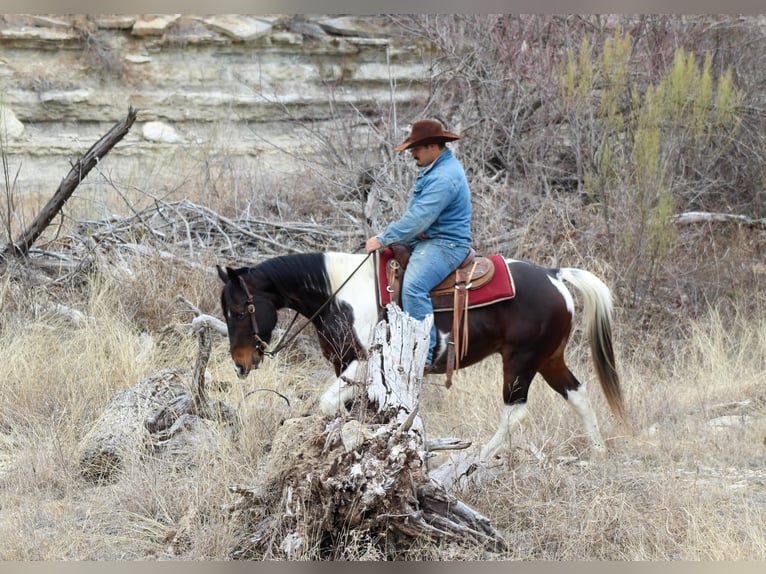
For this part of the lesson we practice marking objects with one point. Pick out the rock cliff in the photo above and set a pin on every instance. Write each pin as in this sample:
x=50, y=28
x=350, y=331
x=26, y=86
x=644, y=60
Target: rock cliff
x=232, y=83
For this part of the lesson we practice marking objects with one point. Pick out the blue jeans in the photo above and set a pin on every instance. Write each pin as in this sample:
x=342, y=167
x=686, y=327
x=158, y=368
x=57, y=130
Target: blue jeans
x=431, y=261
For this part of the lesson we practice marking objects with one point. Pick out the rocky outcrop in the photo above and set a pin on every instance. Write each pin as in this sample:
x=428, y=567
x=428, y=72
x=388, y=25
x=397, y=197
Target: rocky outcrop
x=231, y=80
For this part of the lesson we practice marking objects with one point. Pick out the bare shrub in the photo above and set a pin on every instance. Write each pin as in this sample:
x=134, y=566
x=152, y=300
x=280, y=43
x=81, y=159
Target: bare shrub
x=623, y=120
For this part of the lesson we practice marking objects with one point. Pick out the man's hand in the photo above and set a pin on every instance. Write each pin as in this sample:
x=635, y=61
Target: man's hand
x=373, y=244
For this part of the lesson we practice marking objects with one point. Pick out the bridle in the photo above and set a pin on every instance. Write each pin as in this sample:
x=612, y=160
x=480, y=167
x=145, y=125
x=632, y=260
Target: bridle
x=260, y=344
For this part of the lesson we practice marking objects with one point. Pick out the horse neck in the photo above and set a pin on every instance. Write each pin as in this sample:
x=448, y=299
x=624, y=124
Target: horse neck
x=297, y=282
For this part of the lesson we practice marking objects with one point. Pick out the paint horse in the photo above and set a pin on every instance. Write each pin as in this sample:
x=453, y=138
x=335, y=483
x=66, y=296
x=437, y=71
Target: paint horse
x=338, y=293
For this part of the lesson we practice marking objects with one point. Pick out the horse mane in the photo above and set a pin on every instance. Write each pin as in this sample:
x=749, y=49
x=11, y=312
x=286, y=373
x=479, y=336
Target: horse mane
x=296, y=272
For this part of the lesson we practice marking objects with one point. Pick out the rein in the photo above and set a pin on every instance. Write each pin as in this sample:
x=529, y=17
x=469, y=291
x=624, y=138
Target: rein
x=285, y=340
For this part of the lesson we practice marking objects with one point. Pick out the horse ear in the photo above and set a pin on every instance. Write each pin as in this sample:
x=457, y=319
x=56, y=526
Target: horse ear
x=222, y=274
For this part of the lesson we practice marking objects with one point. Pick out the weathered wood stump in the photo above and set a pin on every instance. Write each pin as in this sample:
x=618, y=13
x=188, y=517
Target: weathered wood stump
x=326, y=478
x=168, y=412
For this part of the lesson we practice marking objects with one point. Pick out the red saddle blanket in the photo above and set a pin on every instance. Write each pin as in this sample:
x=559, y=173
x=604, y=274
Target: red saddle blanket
x=501, y=286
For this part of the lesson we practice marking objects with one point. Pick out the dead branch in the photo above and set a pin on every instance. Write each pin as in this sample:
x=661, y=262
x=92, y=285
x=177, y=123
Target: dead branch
x=175, y=233
x=79, y=170
x=184, y=224
x=693, y=217
x=201, y=320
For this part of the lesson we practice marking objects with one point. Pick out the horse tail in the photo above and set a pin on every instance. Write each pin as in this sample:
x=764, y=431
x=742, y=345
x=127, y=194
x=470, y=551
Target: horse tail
x=597, y=310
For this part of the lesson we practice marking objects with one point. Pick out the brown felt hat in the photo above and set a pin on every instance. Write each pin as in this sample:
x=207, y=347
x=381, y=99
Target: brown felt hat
x=426, y=132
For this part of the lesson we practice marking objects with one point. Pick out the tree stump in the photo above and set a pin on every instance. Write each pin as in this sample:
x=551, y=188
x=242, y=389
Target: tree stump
x=361, y=476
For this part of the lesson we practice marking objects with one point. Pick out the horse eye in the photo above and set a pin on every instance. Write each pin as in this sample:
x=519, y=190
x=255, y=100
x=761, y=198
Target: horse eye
x=238, y=315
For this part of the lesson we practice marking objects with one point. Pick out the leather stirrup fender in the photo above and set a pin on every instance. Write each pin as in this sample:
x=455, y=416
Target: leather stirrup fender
x=458, y=344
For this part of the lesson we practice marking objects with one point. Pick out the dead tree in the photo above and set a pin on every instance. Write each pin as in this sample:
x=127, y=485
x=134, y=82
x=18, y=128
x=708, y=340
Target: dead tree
x=325, y=478
x=80, y=169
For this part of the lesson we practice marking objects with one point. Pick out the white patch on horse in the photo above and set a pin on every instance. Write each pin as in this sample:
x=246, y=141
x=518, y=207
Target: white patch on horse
x=581, y=404
x=558, y=284
x=441, y=346
x=512, y=416
x=358, y=293
x=334, y=399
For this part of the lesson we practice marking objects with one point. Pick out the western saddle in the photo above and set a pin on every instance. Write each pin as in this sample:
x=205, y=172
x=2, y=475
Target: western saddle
x=451, y=293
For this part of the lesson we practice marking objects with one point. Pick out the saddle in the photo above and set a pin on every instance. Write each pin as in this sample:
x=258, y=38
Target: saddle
x=472, y=273
x=451, y=293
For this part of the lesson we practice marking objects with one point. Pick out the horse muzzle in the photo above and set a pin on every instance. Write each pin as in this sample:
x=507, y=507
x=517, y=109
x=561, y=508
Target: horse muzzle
x=243, y=368
x=242, y=371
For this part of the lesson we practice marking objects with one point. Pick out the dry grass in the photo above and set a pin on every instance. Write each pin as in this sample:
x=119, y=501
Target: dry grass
x=678, y=488
x=683, y=486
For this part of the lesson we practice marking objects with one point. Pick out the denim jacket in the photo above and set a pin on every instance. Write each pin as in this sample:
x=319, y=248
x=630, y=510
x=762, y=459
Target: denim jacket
x=439, y=207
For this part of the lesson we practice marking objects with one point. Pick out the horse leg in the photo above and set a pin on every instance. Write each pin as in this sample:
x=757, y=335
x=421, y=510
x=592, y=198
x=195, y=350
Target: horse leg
x=340, y=393
x=513, y=415
x=578, y=398
x=561, y=379
x=515, y=390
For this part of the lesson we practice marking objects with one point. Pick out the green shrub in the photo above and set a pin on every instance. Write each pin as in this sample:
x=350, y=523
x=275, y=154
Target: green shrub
x=643, y=142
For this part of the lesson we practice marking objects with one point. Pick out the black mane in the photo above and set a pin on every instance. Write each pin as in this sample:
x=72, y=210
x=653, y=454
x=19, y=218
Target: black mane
x=293, y=276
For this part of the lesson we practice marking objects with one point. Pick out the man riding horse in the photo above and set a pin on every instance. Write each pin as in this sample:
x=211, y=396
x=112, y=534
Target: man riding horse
x=436, y=224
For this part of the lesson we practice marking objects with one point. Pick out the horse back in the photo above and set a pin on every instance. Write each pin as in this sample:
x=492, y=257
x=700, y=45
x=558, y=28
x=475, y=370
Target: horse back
x=539, y=292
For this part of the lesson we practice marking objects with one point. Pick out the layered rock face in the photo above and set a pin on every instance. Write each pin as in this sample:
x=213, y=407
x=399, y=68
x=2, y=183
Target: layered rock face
x=234, y=84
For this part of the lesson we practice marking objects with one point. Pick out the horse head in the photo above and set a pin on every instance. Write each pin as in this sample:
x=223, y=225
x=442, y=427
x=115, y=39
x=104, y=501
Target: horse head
x=250, y=318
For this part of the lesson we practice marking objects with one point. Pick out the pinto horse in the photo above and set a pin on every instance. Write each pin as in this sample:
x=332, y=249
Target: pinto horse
x=338, y=293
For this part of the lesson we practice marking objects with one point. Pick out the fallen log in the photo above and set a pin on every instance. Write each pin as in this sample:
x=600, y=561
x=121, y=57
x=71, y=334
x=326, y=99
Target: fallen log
x=168, y=412
x=695, y=217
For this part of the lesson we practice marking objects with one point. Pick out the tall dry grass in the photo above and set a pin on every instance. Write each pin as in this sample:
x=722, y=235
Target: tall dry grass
x=688, y=483
x=682, y=486
x=57, y=379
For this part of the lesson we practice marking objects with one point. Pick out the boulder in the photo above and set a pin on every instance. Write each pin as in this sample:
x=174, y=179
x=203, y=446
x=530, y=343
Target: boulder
x=160, y=132
x=10, y=126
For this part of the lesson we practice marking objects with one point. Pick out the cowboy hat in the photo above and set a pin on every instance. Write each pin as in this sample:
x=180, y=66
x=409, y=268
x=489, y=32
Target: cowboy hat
x=424, y=132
